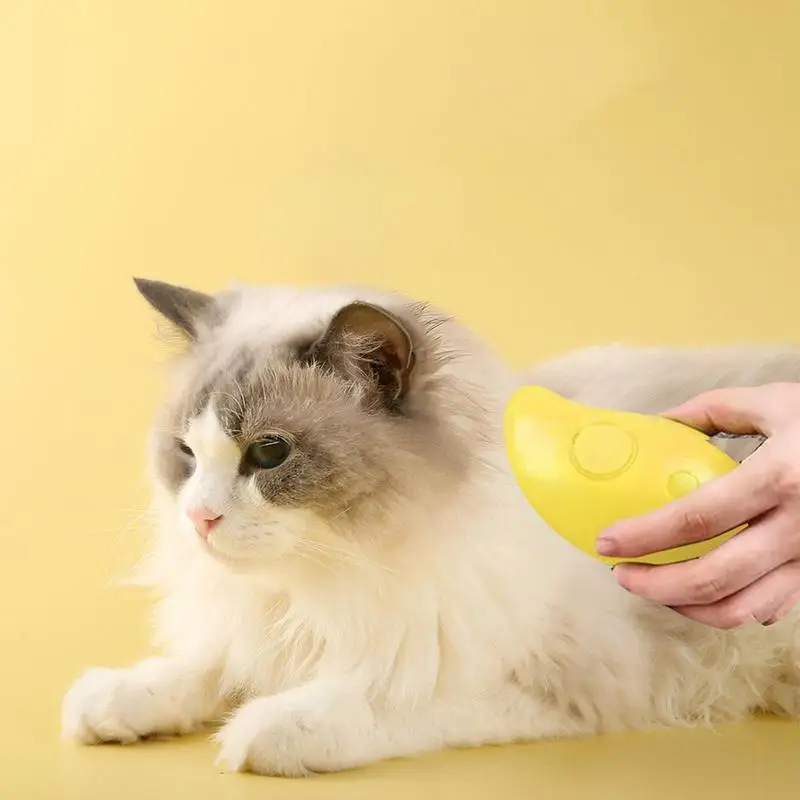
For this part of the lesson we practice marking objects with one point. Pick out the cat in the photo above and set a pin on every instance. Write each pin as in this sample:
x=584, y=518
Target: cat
x=347, y=571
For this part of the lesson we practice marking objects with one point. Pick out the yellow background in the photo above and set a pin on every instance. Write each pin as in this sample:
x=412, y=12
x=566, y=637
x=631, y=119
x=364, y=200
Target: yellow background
x=557, y=173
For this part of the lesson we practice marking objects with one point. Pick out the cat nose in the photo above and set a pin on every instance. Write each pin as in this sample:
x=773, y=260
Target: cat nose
x=203, y=519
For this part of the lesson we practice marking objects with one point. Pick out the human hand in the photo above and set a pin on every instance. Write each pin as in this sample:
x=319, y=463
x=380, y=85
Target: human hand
x=755, y=575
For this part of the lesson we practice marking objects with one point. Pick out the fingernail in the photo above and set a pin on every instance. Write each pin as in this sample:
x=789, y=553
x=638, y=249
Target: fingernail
x=605, y=546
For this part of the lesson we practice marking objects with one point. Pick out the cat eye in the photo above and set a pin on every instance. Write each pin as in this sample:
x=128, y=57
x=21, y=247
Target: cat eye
x=268, y=453
x=185, y=449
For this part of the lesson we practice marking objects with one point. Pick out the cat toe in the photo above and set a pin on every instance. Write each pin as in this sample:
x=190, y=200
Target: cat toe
x=264, y=738
x=95, y=709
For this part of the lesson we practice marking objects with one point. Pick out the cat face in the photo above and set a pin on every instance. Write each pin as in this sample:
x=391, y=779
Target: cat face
x=303, y=420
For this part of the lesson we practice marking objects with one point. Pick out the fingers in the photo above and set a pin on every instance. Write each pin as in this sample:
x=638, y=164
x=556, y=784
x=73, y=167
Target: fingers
x=766, y=601
x=755, y=576
x=760, y=409
x=710, y=510
x=744, y=559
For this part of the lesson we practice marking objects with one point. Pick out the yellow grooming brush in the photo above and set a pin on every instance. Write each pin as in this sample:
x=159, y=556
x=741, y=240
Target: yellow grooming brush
x=583, y=469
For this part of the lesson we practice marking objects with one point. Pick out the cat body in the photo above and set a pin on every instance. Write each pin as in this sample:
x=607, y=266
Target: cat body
x=348, y=572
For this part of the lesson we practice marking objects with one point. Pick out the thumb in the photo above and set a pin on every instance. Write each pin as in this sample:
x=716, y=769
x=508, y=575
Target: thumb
x=742, y=411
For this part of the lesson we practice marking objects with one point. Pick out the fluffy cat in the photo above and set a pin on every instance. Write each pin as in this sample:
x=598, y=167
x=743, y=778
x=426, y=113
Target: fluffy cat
x=348, y=572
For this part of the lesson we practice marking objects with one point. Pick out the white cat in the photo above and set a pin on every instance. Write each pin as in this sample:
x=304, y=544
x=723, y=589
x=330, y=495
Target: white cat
x=348, y=571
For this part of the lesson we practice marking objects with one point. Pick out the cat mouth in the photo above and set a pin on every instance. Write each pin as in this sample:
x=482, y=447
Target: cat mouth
x=233, y=561
x=207, y=545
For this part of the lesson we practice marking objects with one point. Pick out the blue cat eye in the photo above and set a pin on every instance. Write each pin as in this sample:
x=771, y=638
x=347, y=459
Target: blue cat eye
x=269, y=452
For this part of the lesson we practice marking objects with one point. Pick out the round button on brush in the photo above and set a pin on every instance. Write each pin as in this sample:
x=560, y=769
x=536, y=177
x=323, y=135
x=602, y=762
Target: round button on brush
x=601, y=450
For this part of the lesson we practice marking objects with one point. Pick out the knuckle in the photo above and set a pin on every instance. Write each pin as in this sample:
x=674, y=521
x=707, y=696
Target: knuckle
x=788, y=480
x=705, y=589
x=736, y=615
x=717, y=401
x=695, y=525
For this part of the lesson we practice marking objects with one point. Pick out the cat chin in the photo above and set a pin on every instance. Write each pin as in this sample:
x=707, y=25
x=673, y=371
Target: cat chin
x=238, y=562
x=262, y=551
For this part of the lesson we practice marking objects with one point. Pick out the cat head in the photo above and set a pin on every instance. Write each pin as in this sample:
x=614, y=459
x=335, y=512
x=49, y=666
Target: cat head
x=302, y=422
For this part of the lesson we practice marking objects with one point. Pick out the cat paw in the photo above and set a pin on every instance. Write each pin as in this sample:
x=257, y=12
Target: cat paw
x=269, y=737
x=155, y=697
x=100, y=707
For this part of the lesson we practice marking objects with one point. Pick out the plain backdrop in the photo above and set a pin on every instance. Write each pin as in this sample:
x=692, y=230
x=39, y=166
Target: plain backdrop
x=555, y=173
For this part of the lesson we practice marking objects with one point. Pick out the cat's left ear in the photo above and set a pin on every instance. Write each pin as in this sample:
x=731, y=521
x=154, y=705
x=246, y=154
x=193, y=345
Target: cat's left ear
x=188, y=310
x=370, y=343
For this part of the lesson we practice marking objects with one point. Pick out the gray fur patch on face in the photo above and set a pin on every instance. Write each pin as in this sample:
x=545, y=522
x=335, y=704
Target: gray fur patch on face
x=371, y=420
x=172, y=466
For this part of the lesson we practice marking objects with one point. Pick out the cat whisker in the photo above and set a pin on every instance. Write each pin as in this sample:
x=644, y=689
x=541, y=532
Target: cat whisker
x=344, y=556
x=306, y=553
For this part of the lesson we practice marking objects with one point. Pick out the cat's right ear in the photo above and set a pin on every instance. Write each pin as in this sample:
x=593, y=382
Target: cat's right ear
x=188, y=310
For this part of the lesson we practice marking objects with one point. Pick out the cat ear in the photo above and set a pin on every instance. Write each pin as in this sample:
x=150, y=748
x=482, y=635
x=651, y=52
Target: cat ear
x=185, y=308
x=369, y=341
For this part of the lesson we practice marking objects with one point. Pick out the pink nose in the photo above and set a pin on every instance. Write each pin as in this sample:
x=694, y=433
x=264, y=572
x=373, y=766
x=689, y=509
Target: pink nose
x=203, y=519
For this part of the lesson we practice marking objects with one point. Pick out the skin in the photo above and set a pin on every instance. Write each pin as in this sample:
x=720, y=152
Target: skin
x=755, y=576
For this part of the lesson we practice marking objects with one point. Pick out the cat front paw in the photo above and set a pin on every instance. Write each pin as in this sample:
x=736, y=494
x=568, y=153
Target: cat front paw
x=155, y=697
x=100, y=707
x=270, y=737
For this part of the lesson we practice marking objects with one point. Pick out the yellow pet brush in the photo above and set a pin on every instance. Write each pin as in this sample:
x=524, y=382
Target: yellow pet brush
x=583, y=469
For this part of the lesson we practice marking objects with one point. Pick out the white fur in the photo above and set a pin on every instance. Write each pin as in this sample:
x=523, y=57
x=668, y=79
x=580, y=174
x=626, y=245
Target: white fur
x=475, y=625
